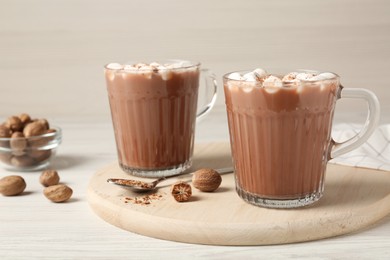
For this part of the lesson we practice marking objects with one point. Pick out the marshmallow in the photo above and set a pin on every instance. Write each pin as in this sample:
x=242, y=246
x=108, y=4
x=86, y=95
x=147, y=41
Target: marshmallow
x=114, y=66
x=178, y=65
x=304, y=76
x=146, y=67
x=324, y=76
x=290, y=77
x=260, y=74
x=140, y=65
x=235, y=76
x=251, y=77
x=161, y=67
x=155, y=64
x=272, y=81
x=129, y=68
x=291, y=80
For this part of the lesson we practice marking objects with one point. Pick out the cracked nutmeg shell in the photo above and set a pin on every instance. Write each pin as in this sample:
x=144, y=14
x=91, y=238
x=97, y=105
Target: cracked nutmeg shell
x=181, y=191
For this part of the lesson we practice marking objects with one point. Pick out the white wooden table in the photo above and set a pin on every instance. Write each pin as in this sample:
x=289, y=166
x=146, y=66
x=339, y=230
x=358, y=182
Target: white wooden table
x=31, y=227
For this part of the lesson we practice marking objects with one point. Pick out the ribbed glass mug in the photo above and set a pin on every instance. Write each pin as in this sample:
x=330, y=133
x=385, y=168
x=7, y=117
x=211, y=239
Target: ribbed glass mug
x=154, y=108
x=281, y=137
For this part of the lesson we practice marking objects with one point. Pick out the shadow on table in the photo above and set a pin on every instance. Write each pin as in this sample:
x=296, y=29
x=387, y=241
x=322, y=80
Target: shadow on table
x=61, y=162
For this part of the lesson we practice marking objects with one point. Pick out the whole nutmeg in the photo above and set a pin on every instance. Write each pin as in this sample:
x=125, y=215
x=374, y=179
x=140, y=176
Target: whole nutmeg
x=18, y=143
x=34, y=129
x=51, y=131
x=12, y=185
x=58, y=193
x=206, y=179
x=22, y=161
x=49, y=178
x=5, y=157
x=25, y=118
x=44, y=122
x=5, y=132
x=14, y=123
x=39, y=155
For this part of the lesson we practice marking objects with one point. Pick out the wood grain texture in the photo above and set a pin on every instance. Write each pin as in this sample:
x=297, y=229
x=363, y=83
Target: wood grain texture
x=354, y=199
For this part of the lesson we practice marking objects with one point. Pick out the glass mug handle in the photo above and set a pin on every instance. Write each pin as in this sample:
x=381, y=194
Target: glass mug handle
x=210, y=92
x=369, y=126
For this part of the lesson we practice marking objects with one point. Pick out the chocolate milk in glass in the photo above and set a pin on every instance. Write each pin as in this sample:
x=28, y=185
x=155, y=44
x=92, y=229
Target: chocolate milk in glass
x=153, y=108
x=280, y=130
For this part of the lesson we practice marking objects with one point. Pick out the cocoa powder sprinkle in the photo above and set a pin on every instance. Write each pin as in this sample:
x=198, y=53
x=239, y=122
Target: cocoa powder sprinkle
x=144, y=200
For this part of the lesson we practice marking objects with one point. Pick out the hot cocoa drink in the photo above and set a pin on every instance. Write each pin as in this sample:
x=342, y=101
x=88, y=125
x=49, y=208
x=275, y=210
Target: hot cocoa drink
x=153, y=108
x=280, y=133
x=280, y=128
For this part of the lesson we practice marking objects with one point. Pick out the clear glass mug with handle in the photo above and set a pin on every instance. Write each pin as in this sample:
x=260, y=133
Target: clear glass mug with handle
x=154, y=109
x=280, y=133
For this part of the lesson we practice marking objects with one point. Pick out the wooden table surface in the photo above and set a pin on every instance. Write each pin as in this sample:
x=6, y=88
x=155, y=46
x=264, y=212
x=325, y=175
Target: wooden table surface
x=51, y=59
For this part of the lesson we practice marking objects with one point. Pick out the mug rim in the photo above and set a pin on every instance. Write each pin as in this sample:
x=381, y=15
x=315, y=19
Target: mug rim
x=187, y=65
x=278, y=73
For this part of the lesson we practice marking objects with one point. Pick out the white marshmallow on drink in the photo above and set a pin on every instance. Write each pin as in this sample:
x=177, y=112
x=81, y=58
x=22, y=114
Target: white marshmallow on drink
x=114, y=66
x=260, y=74
x=272, y=84
x=235, y=76
x=304, y=76
x=290, y=77
x=129, y=68
x=324, y=76
x=154, y=64
x=250, y=77
x=178, y=65
x=272, y=81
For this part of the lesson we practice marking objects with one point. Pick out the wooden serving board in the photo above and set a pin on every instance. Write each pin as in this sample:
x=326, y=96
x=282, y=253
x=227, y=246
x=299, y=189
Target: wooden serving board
x=354, y=198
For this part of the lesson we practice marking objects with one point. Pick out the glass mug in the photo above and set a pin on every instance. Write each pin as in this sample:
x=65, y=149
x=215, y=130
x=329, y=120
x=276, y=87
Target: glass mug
x=154, y=111
x=280, y=133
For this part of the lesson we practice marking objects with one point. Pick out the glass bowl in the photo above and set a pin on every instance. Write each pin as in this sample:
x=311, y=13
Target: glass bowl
x=30, y=153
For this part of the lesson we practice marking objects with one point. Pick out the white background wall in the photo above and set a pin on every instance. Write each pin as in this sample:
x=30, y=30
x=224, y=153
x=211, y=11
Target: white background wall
x=52, y=52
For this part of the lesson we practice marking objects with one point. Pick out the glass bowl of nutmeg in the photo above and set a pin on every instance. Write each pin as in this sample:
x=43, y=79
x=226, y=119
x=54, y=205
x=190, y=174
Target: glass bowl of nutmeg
x=28, y=144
